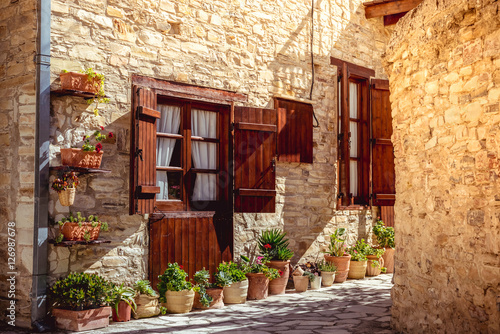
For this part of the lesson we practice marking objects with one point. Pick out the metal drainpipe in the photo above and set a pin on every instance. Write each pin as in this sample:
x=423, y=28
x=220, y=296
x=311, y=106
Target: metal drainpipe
x=42, y=130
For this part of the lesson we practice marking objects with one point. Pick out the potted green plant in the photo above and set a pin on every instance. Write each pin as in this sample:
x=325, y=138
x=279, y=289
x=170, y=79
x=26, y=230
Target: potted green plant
x=90, y=155
x=327, y=270
x=274, y=246
x=236, y=292
x=357, y=267
x=259, y=275
x=80, y=228
x=337, y=254
x=66, y=188
x=209, y=295
x=80, y=302
x=123, y=302
x=385, y=239
x=175, y=290
x=375, y=261
x=146, y=300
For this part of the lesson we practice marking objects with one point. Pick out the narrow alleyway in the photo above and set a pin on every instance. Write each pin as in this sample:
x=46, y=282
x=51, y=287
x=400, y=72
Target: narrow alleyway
x=356, y=306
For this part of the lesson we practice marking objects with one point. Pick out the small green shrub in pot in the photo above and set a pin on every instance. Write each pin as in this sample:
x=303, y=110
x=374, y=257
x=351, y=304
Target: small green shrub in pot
x=359, y=251
x=121, y=294
x=175, y=290
x=233, y=270
x=384, y=234
x=236, y=291
x=337, y=246
x=144, y=287
x=146, y=300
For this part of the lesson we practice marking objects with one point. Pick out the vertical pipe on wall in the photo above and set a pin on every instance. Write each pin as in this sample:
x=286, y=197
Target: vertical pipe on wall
x=40, y=228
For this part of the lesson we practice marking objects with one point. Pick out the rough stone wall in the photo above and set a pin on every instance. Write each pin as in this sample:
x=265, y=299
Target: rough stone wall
x=258, y=48
x=17, y=158
x=444, y=65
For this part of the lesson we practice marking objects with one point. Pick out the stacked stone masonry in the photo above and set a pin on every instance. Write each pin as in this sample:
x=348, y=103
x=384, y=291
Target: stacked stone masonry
x=443, y=62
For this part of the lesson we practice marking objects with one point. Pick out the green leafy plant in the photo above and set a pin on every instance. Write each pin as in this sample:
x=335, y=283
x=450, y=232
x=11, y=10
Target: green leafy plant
x=67, y=180
x=359, y=251
x=222, y=279
x=233, y=270
x=144, y=287
x=378, y=252
x=59, y=238
x=201, y=278
x=81, y=291
x=173, y=279
x=383, y=269
x=93, y=220
x=327, y=266
x=92, y=142
x=274, y=246
x=337, y=246
x=310, y=275
x=385, y=235
x=259, y=266
x=97, y=80
x=163, y=310
x=122, y=293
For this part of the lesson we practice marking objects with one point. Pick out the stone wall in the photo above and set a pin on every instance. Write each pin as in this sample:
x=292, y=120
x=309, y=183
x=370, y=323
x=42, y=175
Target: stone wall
x=258, y=48
x=17, y=141
x=444, y=64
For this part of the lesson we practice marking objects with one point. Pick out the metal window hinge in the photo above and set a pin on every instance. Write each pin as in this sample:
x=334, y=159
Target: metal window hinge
x=41, y=59
x=138, y=153
x=231, y=127
x=340, y=136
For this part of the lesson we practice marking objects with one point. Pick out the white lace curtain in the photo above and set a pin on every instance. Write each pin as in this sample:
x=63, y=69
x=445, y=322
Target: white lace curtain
x=204, y=124
x=168, y=123
x=353, y=128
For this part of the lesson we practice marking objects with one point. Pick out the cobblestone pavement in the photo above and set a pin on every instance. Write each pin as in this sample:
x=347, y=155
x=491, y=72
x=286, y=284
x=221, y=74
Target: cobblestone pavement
x=356, y=306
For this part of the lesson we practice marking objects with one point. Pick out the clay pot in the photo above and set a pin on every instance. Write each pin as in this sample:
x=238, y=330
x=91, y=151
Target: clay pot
x=278, y=285
x=236, y=293
x=147, y=306
x=79, y=82
x=215, y=293
x=357, y=269
x=300, y=283
x=257, y=286
x=327, y=278
x=75, y=157
x=82, y=320
x=179, y=301
x=388, y=257
x=374, y=270
x=342, y=263
x=67, y=196
x=316, y=284
x=73, y=231
x=124, y=312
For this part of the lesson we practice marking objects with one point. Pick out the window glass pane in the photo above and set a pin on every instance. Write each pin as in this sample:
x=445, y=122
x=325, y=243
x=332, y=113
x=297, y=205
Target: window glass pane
x=168, y=152
x=353, y=128
x=204, y=155
x=340, y=107
x=353, y=100
x=170, y=119
x=205, y=187
x=170, y=185
x=204, y=123
x=353, y=178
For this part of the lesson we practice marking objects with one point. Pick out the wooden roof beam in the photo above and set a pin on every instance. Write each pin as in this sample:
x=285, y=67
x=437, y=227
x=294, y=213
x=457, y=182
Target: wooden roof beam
x=377, y=9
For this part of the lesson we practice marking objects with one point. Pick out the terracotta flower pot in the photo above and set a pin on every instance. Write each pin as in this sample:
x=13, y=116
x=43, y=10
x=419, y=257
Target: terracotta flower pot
x=301, y=283
x=215, y=293
x=342, y=263
x=327, y=278
x=73, y=231
x=236, y=293
x=123, y=314
x=82, y=320
x=374, y=270
x=388, y=257
x=357, y=269
x=257, y=286
x=316, y=284
x=67, y=196
x=79, y=82
x=179, y=301
x=278, y=285
x=147, y=306
x=75, y=157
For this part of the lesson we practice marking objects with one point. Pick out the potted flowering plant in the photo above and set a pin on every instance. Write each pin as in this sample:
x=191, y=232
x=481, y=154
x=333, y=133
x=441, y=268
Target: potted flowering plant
x=259, y=275
x=311, y=270
x=274, y=246
x=358, y=263
x=90, y=155
x=175, y=290
x=80, y=228
x=337, y=254
x=66, y=188
x=236, y=292
x=209, y=295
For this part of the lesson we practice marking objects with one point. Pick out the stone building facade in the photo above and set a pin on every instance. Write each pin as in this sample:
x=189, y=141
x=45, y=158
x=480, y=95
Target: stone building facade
x=444, y=68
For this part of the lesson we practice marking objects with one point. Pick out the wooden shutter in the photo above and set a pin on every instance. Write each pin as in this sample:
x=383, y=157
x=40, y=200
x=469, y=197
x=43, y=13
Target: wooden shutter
x=383, y=176
x=254, y=159
x=295, y=131
x=143, y=151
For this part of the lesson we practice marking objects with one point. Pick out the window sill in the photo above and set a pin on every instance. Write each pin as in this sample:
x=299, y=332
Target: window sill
x=353, y=207
x=182, y=214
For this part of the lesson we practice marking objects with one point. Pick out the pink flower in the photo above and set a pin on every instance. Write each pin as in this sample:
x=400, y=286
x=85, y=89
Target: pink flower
x=259, y=259
x=355, y=251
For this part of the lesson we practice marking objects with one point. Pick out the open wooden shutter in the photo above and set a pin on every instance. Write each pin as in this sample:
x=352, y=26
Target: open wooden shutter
x=143, y=151
x=383, y=176
x=254, y=159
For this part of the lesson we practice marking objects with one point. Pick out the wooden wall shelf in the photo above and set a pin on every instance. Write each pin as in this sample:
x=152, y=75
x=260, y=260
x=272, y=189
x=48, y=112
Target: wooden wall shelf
x=81, y=170
x=66, y=92
x=69, y=243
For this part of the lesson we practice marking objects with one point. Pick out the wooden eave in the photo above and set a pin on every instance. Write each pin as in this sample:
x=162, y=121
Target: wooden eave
x=391, y=10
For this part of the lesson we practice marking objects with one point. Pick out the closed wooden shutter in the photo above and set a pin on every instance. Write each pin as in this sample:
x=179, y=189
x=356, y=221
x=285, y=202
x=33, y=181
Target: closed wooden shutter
x=295, y=131
x=383, y=175
x=254, y=159
x=143, y=151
